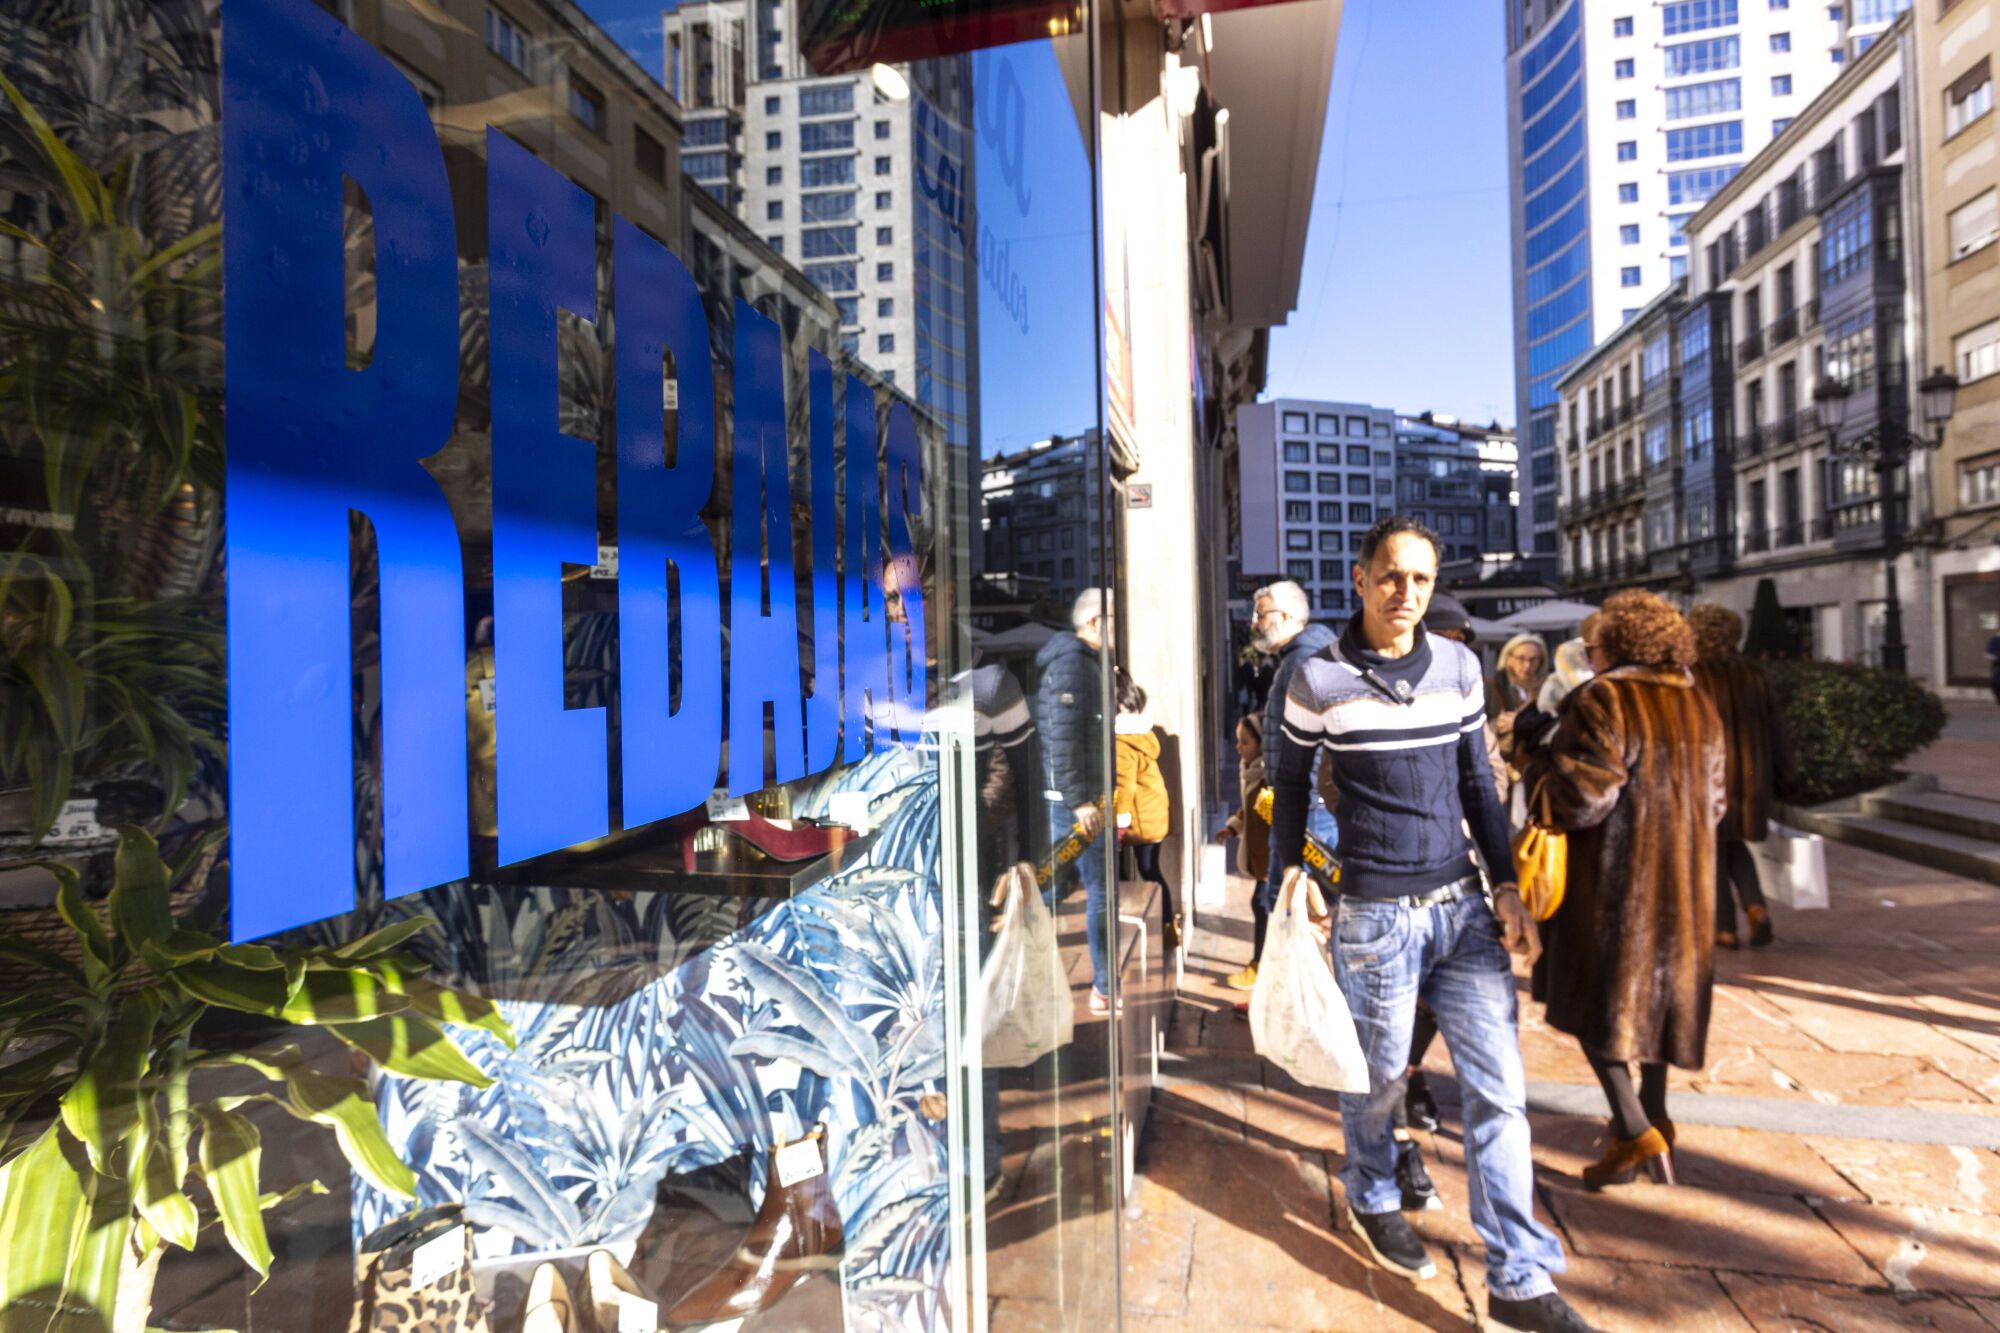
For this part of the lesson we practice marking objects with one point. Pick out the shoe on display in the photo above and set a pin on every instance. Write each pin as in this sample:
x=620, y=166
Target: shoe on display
x=1547, y=1313
x=796, y=1232
x=1760, y=927
x=1419, y=1194
x=549, y=1309
x=1393, y=1244
x=1419, y=1105
x=616, y=1304
x=1244, y=980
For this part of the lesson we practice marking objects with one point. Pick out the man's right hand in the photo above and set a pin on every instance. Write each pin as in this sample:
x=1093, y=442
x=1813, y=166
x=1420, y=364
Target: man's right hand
x=1089, y=818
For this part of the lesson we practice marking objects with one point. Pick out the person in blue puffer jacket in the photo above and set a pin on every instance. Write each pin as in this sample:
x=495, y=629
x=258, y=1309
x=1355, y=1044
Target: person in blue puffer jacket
x=1069, y=716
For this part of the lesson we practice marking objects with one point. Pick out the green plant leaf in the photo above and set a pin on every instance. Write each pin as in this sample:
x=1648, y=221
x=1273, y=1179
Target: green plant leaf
x=158, y=1183
x=341, y=995
x=102, y=1106
x=256, y=957
x=139, y=907
x=341, y=1104
x=232, y=1156
x=413, y=1046
x=35, y=956
x=445, y=1005
x=244, y=989
x=100, y=959
x=65, y=1229
x=377, y=942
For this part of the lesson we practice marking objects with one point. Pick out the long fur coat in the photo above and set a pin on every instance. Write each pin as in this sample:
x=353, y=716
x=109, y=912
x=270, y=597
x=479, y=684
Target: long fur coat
x=1760, y=751
x=1634, y=774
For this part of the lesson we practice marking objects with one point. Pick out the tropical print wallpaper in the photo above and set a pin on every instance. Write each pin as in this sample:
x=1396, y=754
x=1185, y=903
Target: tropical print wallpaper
x=663, y=1032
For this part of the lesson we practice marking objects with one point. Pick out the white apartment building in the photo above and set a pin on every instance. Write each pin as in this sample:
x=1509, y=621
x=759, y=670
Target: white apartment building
x=1624, y=117
x=1314, y=478
x=858, y=178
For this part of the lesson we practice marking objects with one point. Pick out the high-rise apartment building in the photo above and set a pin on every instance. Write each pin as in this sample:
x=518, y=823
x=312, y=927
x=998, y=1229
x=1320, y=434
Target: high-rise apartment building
x=1314, y=477
x=862, y=179
x=1624, y=118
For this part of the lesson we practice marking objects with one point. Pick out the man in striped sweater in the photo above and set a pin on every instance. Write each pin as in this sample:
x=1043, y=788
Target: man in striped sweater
x=1402, y=715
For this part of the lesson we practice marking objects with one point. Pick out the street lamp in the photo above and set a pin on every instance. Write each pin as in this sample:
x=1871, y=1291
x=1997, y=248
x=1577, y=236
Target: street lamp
x=1888, y=445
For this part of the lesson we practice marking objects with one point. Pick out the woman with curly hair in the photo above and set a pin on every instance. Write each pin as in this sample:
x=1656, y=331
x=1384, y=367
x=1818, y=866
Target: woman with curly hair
x=1760, y=759
x=1634, y=774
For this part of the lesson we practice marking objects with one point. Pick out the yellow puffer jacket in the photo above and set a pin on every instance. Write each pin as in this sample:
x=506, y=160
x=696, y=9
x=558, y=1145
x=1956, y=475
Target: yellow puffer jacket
x=1140, y=790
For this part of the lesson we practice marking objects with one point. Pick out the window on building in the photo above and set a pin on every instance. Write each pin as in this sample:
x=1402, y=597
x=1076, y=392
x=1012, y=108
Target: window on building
x=1781, y=41
x=884, y=199
x=1698, y=185
x=505, y=39
x=1787, y=4
x=1628, y=233
x=1844, y=245
x=650, y=156
x=1621, y=69
x=826, y=207
x=827, y=99
x=1382, y=458
x=1621, y=27
x=1977, y=352
x=885, y=272
x=1628, y=110
x=586, y=103
x=1298, y=541
x=1780, y=125
x=1968, y=98
x=1357, y=454
x=775, y=139
x=1979, y=481
x=881, y=129
x=1656, y=444
x=1360, y=513
x=1329, y=483
x=885, y=306
x=1381, y=430
x=885, y=235
x=1628, y=192
x=1297, y=451
x=1330, y=453
x=1722, y=139
x=1384, y=486
x=1696, y=15
x=883, y=165
x=1298, y=511
x=1326, y=423
x=1974, y=226
x=1354, y=540
x=1837, y=55
x=831, y=277
x=1299, y=570
x=829, y=242
x=1360, y=483
x=821, y=136
x=1332, y=571
x=1296, y=423
x=705, y=166
x=773, y=104
x=849, y=308
x=1358, y=426
x=1298, y=483
x=1328, y=511
x=1781, y=85
x=774, y=175
x=850, y=343
x=1628, y=150
x=1711, y=55
x=1714, y=98
x=776, y=243
x=1629, y=276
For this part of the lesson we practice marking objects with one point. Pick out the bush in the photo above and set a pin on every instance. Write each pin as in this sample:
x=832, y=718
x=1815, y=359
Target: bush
x=1851, y=725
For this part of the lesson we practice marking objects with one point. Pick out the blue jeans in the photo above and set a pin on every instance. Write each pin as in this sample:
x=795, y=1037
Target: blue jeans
x=1089, y=864
x=1388, y=956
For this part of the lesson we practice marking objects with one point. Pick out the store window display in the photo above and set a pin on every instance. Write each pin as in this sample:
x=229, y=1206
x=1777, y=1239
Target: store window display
x=514, y=757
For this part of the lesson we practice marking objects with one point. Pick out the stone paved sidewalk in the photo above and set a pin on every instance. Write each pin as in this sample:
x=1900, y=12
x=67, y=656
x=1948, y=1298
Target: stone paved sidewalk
x=1836, y=1156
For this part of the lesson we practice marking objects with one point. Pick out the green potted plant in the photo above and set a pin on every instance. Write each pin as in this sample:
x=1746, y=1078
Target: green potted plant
x=106, y=1117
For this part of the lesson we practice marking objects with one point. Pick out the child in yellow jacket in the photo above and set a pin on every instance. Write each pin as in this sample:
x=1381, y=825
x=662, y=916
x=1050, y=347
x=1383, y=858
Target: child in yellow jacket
x=1139, y=801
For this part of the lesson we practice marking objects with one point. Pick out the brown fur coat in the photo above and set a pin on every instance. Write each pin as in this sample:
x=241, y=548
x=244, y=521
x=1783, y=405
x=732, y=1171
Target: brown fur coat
x=1760, y=753
x=1634, y=774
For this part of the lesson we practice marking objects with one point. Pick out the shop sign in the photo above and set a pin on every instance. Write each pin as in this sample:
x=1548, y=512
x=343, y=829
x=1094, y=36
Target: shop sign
x=309, y=108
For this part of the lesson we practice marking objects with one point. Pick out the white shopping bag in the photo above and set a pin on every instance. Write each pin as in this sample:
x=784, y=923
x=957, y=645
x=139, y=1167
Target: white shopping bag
x=1792, y=867
x=1022, y=1009
x=1298, y=1017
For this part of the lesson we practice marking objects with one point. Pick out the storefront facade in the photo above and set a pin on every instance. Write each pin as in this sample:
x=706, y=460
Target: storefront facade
x=532, y=750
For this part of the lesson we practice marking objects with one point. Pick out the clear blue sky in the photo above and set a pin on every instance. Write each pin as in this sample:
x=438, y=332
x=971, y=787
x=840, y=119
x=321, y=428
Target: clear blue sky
x=1406, y=299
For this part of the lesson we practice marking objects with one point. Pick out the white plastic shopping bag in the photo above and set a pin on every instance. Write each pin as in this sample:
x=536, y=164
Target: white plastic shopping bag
x=1022, y=1008
x=1298, y=1017
x=1792, y=866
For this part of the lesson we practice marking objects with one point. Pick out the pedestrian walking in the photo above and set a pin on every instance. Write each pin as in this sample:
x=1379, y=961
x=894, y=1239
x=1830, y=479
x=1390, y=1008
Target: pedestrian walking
x=1634, y=773
x=1760, y=760
x=1572, y=668
x=1139, y=803
x=1252, y=833
x=1403, y=713
x=1068, y=712
x=1282, y=625
x=1524, y=665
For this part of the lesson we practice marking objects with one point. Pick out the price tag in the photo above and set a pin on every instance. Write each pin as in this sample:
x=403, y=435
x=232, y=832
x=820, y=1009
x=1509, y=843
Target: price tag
x=607, y=563
x=76, y=822
x=637, y=1316
x=799, y=1161
x=724, y=809
x=849, y=808
x=437, y=1258
x=670, y=394
x=486, y=693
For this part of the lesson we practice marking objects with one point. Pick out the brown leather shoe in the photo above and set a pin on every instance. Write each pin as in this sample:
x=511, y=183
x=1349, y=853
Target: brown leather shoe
x=1760, y=926
x=796, y=1232
x=1622, y=1160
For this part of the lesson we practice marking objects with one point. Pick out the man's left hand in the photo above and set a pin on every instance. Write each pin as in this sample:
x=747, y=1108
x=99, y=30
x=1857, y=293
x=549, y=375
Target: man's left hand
x=1517, y=928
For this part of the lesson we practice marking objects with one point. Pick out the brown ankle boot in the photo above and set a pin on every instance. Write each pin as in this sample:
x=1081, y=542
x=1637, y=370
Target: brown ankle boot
x=1622, y=1160
x=796, y=1232
x=1760, y=926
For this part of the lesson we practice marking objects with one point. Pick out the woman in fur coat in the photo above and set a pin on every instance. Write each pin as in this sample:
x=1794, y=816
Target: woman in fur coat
x=1635, y=775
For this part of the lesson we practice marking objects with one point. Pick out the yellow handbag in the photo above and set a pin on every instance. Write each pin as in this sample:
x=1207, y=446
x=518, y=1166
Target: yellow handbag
x=1541, y=863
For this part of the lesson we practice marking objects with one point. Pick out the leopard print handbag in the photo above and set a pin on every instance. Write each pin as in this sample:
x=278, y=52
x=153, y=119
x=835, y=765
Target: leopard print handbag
x=389, y=1265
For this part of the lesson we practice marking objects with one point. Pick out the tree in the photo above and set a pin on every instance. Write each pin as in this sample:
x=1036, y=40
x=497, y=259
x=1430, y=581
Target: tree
x=1770, y=635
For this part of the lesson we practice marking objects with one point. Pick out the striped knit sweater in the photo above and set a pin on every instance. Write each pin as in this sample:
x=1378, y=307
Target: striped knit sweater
x=1406, y=737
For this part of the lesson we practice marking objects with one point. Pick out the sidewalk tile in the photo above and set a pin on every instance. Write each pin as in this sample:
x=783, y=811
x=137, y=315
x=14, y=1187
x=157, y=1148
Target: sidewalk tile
x=1783, y=1306
x=1159, y=1249
x=1758, y=1233
x=1988, y=1308
x=1865, y=1024
x=1753, y=1161
x=1296, y=1276
x=1923, y=1174
x=1743, y=1071
x=1981, y=1073
x=1870, y=1079
x=1300, y=1118
x=1924, y=1249
x=1621, y=1297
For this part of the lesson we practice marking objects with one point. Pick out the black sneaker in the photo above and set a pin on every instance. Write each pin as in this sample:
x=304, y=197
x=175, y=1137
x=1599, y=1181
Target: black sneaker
x=1418, y=1104
x=1395, y=1247
x=1419, y=1195
x=1547, y=1313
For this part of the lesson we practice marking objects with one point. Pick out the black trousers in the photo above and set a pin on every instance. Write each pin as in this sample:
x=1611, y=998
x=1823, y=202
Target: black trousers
x=1734, y=864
